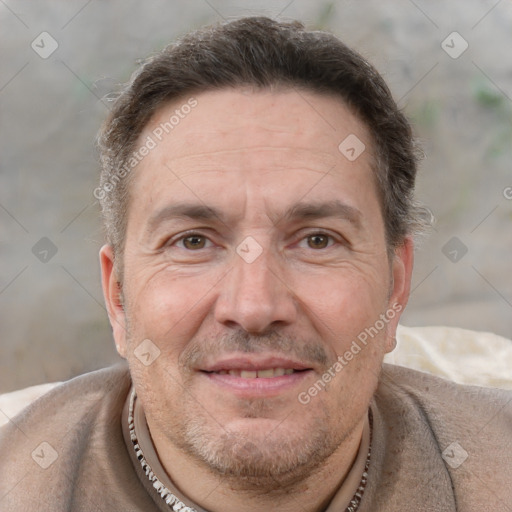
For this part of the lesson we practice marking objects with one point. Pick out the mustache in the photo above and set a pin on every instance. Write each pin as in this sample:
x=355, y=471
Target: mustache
x=308, y=352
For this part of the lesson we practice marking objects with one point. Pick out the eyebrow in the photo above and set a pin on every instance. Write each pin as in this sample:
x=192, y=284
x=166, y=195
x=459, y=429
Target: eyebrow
x=184, y=211
x=299, y=211
x=312, y=211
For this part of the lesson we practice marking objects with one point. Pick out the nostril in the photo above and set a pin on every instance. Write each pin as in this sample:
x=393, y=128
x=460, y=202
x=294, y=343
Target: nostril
x=252, y=299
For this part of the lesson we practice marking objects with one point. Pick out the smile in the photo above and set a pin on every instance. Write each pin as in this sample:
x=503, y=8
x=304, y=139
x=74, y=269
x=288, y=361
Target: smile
x=267, y=373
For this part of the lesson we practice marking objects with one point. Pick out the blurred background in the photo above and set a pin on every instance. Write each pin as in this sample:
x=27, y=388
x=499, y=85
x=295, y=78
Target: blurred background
x=447, y=62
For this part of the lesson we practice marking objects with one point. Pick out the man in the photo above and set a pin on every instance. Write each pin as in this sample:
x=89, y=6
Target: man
x=257, y=191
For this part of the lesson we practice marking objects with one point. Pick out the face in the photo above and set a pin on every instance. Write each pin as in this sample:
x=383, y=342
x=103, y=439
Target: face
x=255, y=257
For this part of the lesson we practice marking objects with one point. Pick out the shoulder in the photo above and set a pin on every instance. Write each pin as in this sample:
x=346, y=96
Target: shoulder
x=59, y=435
x=95, y=390
x=447, y=406
x=467, y=428
x=433, y=392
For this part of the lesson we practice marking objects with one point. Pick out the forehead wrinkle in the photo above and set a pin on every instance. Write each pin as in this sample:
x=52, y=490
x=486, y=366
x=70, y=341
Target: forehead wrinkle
x=189, y=165
x=208, y=168
x=259, y=148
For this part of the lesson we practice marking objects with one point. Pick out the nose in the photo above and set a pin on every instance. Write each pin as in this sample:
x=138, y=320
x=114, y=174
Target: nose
x=255, y=296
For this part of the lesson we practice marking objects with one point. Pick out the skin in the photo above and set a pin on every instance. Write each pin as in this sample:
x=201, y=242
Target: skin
x=320, y=280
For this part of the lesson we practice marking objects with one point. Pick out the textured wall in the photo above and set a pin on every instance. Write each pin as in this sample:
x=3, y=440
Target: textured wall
x=53, y=323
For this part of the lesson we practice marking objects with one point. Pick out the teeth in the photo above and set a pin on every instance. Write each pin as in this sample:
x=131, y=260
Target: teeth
x=245, y=374
x=262, y=374
x=266, y=373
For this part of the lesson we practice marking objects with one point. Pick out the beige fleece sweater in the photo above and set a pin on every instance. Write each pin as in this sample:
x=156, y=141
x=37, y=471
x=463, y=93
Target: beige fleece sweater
x=437, y=446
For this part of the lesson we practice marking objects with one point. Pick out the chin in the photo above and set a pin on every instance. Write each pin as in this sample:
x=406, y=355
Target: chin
x=260, y=452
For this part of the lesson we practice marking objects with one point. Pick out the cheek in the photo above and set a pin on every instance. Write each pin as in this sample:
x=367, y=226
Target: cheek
x=343, y=311
x=168, y=309
x=343, y=305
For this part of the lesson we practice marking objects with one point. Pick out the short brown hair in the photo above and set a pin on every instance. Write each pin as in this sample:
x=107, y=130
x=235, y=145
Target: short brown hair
x=262, y=53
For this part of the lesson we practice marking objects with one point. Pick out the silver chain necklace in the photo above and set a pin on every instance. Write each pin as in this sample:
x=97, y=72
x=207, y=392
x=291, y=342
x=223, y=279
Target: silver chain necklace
x=169, y=497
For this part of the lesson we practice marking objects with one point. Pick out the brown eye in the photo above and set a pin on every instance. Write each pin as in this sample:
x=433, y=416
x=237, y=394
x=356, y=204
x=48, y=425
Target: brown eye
x=318, y=241
x=194, y=242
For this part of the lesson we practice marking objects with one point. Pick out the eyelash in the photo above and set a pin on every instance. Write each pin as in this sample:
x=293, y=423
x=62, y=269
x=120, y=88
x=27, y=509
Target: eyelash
x=332, y=240
x=184, y=236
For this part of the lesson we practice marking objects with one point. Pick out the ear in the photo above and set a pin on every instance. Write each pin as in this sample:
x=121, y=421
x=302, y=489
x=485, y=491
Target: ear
x=401, y=272
x=113, y=300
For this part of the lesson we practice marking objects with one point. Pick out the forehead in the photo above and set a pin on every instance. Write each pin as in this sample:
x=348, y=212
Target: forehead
x=282, y=143
x=235, y=119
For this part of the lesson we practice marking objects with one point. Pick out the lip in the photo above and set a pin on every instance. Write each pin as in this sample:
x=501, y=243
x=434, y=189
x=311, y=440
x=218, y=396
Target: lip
x=255, y=362
x=256, y=387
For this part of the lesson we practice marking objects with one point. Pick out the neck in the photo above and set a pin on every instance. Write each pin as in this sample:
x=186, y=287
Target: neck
x=316, y=485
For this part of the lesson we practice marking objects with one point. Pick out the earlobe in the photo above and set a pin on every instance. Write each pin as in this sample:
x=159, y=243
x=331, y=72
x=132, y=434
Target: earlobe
x=391, y=344
x=112, y=293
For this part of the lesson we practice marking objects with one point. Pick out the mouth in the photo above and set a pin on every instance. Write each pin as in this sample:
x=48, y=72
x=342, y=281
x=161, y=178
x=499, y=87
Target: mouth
x=267, y=373
x=250, y=377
